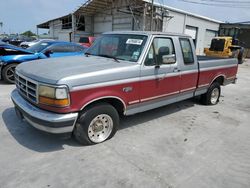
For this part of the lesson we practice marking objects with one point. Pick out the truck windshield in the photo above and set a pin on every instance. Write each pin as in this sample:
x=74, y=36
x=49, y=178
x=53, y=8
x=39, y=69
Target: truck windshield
x=217, y=45
x=119, y=46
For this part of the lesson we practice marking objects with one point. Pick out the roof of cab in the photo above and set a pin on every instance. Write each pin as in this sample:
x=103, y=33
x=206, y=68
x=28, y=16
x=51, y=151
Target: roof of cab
x=148, y=33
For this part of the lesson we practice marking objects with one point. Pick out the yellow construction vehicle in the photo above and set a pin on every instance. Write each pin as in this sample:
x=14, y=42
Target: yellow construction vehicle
x=225, y=47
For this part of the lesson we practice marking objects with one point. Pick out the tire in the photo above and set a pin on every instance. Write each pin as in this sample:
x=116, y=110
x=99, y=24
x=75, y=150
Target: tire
x=9, y=73
x=240, y=55
x=212, y=96
x=87, y=131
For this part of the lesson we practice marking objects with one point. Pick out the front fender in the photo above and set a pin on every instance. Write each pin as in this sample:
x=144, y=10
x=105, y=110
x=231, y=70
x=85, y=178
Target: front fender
x=19, y=58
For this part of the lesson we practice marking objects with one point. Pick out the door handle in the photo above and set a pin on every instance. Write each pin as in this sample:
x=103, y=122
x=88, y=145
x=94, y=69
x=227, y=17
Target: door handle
x=176, y=70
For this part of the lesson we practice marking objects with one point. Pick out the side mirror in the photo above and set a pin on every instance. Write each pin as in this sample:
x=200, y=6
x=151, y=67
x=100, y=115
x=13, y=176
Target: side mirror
x=169, y=59
x=48, y=53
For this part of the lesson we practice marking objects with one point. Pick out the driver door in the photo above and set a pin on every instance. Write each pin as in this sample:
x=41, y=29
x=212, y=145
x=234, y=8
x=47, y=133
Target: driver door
x=159, y=81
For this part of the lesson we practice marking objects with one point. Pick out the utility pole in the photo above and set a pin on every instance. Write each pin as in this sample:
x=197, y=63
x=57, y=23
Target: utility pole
x=73, y=27
x=1, y=25
x=144, y=17
x=152, y=16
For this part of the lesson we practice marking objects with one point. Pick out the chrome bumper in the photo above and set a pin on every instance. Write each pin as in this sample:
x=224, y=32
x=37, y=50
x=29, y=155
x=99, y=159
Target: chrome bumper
x=41, y=119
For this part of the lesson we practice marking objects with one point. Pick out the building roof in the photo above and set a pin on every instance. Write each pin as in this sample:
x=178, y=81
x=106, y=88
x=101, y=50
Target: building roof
x=45, y=25
x=90, y=7
x=240, y=25
x=245, y=22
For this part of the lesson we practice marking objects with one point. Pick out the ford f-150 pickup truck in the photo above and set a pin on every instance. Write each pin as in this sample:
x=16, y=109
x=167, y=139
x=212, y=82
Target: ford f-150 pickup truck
x=123, y=73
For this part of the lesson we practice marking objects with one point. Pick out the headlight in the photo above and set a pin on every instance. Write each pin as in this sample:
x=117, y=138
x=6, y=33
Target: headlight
x=54, y=96
x=47, y=91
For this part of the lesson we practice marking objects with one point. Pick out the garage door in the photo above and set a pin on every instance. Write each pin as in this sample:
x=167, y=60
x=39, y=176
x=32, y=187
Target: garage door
x=191, y=31
x=102, y=24
x=208, y=37
x=64, y=36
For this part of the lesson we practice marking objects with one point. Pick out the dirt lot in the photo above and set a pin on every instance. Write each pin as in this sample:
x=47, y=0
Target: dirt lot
x=184, y=145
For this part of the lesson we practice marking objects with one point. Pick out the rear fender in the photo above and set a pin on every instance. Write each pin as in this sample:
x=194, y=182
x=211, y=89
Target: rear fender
x=221, y=77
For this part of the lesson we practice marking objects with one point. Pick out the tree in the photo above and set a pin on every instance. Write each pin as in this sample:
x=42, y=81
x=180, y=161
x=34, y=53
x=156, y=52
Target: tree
x=28, y=33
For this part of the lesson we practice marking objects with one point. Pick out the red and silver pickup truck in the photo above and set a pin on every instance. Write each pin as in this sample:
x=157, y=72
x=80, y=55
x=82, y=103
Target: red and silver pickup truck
x=123, y=73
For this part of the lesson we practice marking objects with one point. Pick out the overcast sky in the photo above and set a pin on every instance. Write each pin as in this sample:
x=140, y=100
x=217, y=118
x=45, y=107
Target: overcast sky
x=22, y=15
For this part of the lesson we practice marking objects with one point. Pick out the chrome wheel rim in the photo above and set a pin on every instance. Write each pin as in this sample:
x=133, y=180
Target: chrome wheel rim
x=100, y=128
x=10, y=73
x=215, y=95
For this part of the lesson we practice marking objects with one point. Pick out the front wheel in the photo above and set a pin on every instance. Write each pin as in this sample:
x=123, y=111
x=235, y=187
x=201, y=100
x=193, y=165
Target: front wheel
x=9, y=73
x=212, y=96
x=96, y=124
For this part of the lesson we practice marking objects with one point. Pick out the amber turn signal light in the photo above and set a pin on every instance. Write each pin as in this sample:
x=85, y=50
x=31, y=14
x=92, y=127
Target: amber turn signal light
x=54, y=102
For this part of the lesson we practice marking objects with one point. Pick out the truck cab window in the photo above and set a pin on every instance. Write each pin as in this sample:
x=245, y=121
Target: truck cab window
x=160, y=47
x=187, y=52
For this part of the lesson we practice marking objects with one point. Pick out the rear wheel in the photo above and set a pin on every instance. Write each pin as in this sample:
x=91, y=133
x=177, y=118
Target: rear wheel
x=9, y=73
x=212, y=96
x=96, y=124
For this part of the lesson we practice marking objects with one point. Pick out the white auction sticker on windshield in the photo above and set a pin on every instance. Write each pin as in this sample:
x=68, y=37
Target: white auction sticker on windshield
x=134, y=41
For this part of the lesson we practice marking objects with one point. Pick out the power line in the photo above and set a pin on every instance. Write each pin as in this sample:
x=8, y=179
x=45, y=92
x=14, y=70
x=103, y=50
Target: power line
x=226, y=1
x=219, y=3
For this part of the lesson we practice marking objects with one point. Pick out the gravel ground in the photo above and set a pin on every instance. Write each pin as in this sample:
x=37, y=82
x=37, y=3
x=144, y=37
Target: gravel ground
x=183, y=145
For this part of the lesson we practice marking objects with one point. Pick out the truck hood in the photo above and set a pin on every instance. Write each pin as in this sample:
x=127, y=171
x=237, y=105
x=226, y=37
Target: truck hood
x=78, y=70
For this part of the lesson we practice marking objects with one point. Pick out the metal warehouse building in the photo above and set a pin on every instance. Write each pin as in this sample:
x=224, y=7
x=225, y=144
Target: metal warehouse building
x=97, y=16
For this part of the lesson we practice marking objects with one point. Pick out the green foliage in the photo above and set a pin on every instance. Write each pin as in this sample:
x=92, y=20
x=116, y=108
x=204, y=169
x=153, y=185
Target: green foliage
x=28, y=33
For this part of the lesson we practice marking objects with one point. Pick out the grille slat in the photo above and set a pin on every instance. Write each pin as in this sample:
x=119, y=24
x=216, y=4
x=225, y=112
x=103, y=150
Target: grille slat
x=26, y=87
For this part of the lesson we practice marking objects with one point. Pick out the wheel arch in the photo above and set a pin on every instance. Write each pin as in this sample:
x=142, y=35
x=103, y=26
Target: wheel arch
x=116, y=102
x=219, y=78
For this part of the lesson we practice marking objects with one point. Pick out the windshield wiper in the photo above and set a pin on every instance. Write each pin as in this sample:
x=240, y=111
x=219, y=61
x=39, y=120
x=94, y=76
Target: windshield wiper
x=109, y=56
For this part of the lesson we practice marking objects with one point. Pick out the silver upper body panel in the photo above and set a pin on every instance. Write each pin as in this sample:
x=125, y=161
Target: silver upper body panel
x=216, y=63
x=147, y=33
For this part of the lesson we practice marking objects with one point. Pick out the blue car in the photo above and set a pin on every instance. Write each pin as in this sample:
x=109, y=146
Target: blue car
x=11, y=56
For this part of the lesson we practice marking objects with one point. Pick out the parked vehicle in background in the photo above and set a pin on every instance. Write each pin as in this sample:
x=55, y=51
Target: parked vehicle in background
x=11, y=56
x=29, y=44
x=19, y=39
x=86, y=41
x=143, y=71
x=6, y=39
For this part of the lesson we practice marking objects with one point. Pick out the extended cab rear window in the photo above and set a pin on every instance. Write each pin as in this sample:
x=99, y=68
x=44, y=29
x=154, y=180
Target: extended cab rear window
x=187, y=51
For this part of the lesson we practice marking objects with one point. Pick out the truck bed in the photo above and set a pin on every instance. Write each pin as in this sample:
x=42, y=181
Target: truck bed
x=213, y=62
x=215, y=67
x=204, y=58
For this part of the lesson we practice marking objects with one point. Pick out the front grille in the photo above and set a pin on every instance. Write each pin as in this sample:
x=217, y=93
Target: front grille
x=26, y=87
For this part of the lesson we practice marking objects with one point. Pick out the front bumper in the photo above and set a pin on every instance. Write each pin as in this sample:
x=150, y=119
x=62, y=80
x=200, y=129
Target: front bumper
x=41, y=119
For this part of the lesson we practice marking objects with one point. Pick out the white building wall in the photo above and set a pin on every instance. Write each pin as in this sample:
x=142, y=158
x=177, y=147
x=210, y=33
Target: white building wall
x=64, y=35
x=55, y=27
x=175, y=24
x=179, y=22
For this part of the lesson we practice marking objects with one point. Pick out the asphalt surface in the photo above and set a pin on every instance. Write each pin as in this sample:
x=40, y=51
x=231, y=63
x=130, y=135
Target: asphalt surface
x=183, y=145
